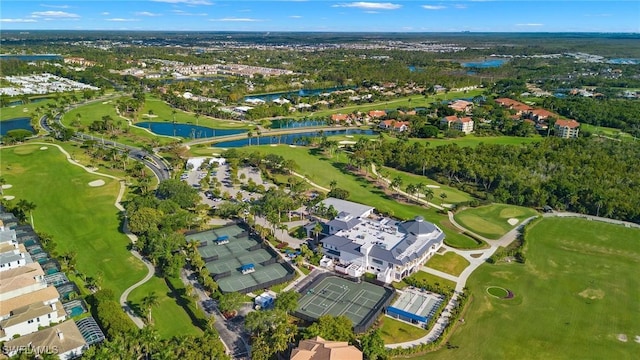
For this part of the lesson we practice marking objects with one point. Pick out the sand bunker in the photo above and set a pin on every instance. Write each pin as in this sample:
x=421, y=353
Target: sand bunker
x=8, y=197
x=274, y=144
x=7, y=186
x=433, y=186
x=348, y=136
x=637, y=339
x=25, y=110
x=513, y=221
x=292, y=146
x=96, y=183
x=106, y=102
x=622, y=337
x=346, y=142
x=448, y=206
x=44, y=148
x=149, y=115
x=592, y=294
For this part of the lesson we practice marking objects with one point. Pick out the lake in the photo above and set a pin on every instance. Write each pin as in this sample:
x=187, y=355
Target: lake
x=188, y=131
x=290, y=123
x=489, y=63
x=33, y=57
x=20, y=102
x=290, y=139
x=17, y=123
x=301, y=93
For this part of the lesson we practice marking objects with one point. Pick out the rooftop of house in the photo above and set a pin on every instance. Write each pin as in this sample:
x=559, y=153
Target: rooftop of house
x=28, y=312
x=7, y=235
x=321, y=349
x=64, y=337
x=47, y=294
x=20, y=277
x=567, y=123
x=377, y=113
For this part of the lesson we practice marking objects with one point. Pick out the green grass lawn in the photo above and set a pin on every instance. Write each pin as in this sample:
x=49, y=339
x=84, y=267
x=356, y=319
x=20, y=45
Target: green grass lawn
x=396, y=331
x=323, y=170
x=577, y=292
x=429, y=278
x=453, y=195
x=169, y=317
x=491, y=221
x=18, y=111
x=162, y=112
x=449, y=262
x=81, y=218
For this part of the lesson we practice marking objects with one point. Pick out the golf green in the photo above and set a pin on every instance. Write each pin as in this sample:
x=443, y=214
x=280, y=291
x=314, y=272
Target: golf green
x=493, y=221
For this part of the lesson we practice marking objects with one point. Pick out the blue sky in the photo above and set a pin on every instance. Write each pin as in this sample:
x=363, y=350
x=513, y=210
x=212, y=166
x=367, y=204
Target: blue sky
x=324, y=15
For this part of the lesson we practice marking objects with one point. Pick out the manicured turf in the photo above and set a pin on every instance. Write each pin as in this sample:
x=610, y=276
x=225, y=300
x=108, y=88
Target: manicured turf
x=162, y=112
x=497, y=291
x=81, y=218
x=450, y=263
x=323, y=170
x=169, y=317
x=453, y=195
x=17, y=111
x=396, y=331
x=577, y=292
x=491, y=221
x=429, y=278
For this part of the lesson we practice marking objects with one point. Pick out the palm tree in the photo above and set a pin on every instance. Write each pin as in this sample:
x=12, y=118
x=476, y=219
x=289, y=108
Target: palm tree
x=412, y=190
x=333, y=184
x=428, y=194
x=26, y=206
x=443, y=196
x=3, y=181
x=317, y=229
x=396, y=183
x=148, y=302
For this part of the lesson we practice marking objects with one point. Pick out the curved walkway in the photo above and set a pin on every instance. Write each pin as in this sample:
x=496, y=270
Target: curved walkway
x=422, y=201
x=150, y=269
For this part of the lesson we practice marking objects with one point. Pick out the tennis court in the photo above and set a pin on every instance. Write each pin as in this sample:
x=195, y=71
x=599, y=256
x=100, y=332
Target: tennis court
x=337, y=296
x=225, y=260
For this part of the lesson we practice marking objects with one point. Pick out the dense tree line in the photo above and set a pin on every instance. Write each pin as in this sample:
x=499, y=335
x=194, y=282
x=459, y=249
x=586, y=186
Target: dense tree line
x=587, y=175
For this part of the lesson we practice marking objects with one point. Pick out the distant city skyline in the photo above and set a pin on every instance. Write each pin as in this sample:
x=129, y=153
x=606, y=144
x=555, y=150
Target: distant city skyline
x=323, y=15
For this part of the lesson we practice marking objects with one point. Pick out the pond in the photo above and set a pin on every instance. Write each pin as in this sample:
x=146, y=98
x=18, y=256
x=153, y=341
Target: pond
x=13, y=124
x=188, y=131
x=489, y=63
x=301, y=93
x=291, y=139
x=292, y=123
x=20, y=102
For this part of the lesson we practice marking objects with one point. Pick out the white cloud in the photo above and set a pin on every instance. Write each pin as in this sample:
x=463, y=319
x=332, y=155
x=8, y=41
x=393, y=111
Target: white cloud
x=55, y=14
x=460, y=6
x=233, y=19
x=121, y=20
x=530, y=24
x=295, y=17
x=105, y=13
x=146, y=13
x=433, y=7
x=369, y=5
x=18, y=20
x=55, y=6
x=184, y=13
x=187, y=2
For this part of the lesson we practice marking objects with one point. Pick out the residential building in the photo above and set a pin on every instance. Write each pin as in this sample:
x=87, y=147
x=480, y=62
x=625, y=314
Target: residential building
x=517, y=106
x=64, y=340
x=321, y=349
x=394, y=125
x=461, y=106
x=26, y=313
x=464, y=124
x=22, y=280
x=376, y=114
x=567, y=128
x=360, y=241
x=339, y=117
x=12, y=254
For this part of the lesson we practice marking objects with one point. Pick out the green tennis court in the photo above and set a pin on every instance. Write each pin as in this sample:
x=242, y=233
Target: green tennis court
x=224, y=264
x=336, y=296
x=237, y=282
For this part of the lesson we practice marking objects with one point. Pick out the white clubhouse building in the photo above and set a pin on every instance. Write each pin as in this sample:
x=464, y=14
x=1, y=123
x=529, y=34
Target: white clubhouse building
x=360, y=241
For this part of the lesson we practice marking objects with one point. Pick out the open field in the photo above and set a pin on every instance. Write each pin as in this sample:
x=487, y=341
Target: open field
x=81, y=218
x=396, y=331
x=162, y=112
x=453, y=195
x=169, y=317
x=449, y=262
x=323, y=170
x=492, y=221
x=17, y=111
x=606, y=131
x=574, y=298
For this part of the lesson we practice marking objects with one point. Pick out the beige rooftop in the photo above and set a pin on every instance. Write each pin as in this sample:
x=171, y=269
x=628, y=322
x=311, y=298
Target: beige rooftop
x=321, y=349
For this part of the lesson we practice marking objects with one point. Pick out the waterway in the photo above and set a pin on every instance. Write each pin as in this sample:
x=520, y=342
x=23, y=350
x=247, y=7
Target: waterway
x=489, y=63
x=292, y=124
x=290, y=139
x=33, y=57
x=301, y=93
x=17, y=123
x=20, y=102
x=187, y=131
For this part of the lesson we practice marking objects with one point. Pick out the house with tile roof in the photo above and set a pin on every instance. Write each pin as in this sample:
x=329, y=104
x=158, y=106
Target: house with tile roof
x=321, y=349
x=63, y=340
x=567, y=129
x=394, y=125
x=464, y=124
